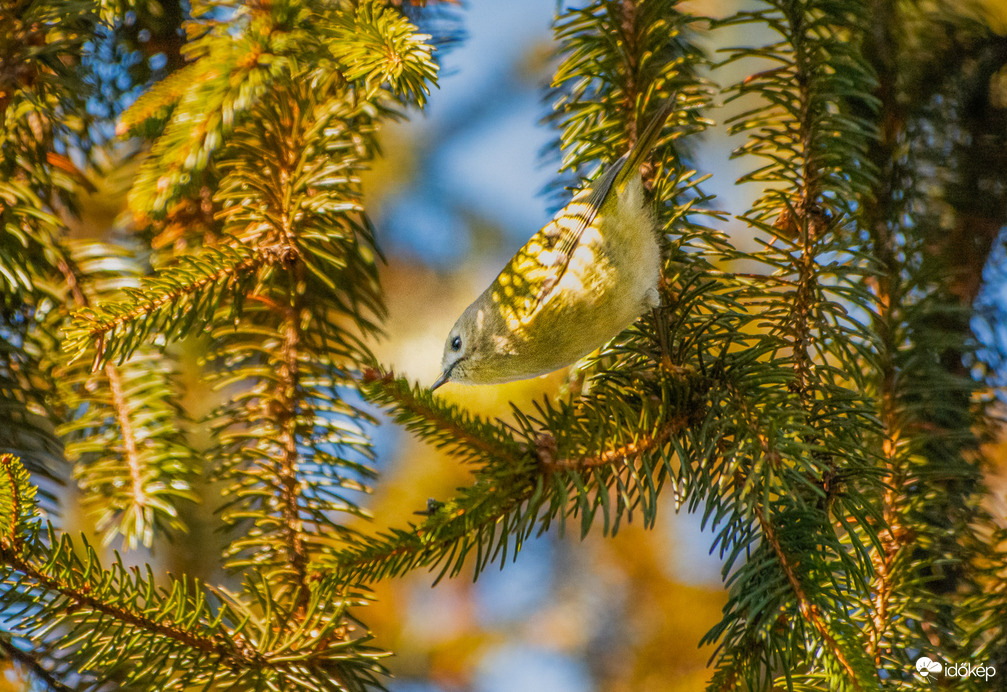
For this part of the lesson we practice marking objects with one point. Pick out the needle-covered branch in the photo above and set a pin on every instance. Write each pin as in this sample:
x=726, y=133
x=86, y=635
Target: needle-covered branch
x=445, y=426
x=169, y=305
x=527, y=477
x=922, y=387
x=43, y=115
x=131, y=461
x=288, y=441
x=806, y=128
x=265, y=131
x=240, y=57
x=141, y=634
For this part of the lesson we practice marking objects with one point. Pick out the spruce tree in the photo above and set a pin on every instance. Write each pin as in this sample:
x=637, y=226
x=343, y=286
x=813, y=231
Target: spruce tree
x=822, y=400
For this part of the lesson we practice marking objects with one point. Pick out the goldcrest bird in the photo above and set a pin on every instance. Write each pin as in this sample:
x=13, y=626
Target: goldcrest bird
x=589, y=274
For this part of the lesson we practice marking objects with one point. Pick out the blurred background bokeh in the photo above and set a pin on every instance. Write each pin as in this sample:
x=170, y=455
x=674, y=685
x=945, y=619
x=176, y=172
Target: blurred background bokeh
x=460, y=187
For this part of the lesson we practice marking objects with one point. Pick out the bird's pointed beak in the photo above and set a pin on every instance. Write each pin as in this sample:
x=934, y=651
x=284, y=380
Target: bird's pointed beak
x=445, y=376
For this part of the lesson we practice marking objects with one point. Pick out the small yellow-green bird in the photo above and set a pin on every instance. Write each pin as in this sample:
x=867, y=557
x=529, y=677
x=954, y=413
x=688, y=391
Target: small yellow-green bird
x=577, y=283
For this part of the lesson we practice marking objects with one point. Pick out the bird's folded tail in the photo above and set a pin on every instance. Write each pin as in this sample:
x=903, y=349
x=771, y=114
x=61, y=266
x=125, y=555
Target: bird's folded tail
x=645, y=141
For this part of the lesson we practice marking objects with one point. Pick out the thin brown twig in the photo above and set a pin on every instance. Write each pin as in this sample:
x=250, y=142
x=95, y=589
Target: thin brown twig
x=210, y=645
x=287, y=471
x=119, y=403
x=28, y=661
x=284, y=143
x=807, y=609
x=622, y=453
x=878, y=210
x=132, y=451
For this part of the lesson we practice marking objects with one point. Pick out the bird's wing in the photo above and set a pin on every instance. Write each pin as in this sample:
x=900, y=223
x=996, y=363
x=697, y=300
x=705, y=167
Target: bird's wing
x=571, y=221
x=527, y=282
x=569, y=225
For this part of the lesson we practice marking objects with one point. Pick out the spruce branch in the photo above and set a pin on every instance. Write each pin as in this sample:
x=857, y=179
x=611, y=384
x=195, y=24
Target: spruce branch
x=178, y=300
x=368, y=49
x=289, y=445
x=620, y=454
x=620, y=60
x=444, y=425
x=628, y=27
x=130, y=629
x=133, y=482
x=503, y=489
x=287, y=405
x=43, y=99
x=59, y=570
x=379, y=47
x=160, y=100
x=756, y=490
x=920, y=299
x=807, y=428
x=483, y=518
x=521, y=483
x=78, y=592
x=879, y=212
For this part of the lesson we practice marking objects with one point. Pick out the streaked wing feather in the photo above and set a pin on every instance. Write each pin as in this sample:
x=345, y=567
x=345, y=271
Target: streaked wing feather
x=570, y=238
x=570, y=224
x=528, y=281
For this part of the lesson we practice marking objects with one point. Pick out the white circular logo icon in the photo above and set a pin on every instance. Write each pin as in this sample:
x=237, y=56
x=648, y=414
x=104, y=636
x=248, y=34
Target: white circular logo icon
x=925, y=667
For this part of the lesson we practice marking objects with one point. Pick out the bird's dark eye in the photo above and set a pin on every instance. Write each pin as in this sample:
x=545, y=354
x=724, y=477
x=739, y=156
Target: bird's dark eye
x=456, y=343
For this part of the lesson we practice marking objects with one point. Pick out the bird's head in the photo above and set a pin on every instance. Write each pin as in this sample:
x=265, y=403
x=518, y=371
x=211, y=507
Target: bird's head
x=462, y=351
x=477, y=348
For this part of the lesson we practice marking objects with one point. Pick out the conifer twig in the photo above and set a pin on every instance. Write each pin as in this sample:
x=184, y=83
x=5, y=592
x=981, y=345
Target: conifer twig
x=99, y=325
x=807, y=609
x=879, y=209
x=384, y=386
x=245, y=656
x=514, y=472
x=614, y=455
x=287, y=397
x=29, y=661
x=522, y=484
x=627, y=28
x=70, y=273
